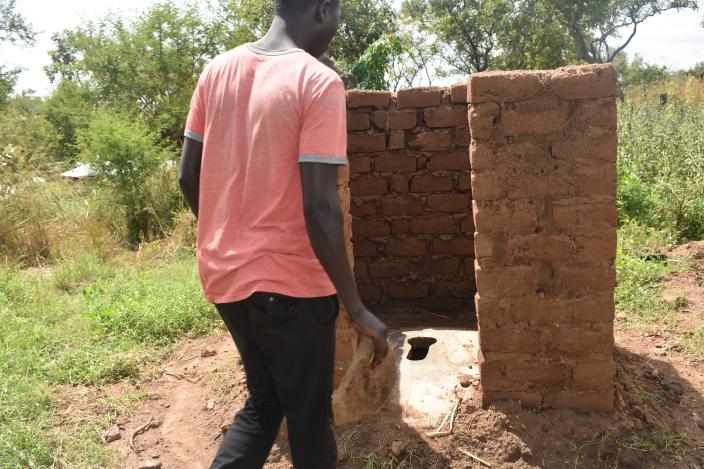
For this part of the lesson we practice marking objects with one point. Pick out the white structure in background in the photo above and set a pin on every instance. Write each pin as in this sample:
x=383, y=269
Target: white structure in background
x=79, y=172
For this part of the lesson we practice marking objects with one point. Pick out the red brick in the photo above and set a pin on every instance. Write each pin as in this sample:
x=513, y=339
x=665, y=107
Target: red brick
x=450, y=203
x=431, y=141
x=584, y=401
x=389, y=267
x=585, y=82
x=600, y=181
x=394, y=163
x=581, y=341
x=360, y=269
x=458, y=92
x=505, y=215
x=538, y=372
x=465, y=181
x=599, y=248
x=457, y=288
x=363, y=209
x=400, y=226
x=395, y=119
x=446, y=116
x=365, y=143
x=433, y=225
x=439, y=266
x=524, y=155
x=362, y=228
x=368, y=186
x=409, y=247
x=467, y=225
x=542, y=123
x=593, y=148
x=489, y=185
x=482, y=118
x=399, y=183
x=484, y=244
x=456, y=246
x=419, y=97
x=499, y=340
x=535, y=186
x=358, y=121
x=526, y=398
x=576, y=280
x=430, y=183
x=594, y=374
x=594, y=308
x=510, y=281
x=368, y=98
x=391, y=206
x=407, y=289
x=492, y=372
x=369, y=292
x=462, y=136
x=567, y=213
x=541, y=103
x=596, y=113
x=451, y=161
x=539, y=247
x=397, y=140
x=503, y=86
x=360, y=164
x=365, y=248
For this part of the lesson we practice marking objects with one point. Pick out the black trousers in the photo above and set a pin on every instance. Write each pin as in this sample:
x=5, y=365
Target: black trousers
x=287, y=346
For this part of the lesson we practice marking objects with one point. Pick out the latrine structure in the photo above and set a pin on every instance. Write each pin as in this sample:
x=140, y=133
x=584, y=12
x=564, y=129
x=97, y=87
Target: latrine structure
x=495, y=196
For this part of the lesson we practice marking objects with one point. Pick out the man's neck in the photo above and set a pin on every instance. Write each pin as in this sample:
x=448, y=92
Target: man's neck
x=285, y=34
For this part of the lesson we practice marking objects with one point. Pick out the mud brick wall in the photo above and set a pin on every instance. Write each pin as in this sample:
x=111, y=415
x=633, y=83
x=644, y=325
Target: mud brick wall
x=410, y=188
x=346, y=336
x=543, y=156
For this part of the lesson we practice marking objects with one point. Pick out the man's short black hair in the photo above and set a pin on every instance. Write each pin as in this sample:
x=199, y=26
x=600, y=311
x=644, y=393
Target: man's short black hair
x=293, y=8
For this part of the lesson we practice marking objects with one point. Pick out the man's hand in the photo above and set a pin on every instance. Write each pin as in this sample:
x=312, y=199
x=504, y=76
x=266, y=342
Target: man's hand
x=324, y=222
x=366, y=323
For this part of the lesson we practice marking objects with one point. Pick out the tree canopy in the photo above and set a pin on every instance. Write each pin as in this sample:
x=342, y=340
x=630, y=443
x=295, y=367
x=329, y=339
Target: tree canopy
x=476, y=35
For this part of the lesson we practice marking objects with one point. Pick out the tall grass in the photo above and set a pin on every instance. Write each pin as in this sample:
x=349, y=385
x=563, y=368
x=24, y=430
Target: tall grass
x=661, y=167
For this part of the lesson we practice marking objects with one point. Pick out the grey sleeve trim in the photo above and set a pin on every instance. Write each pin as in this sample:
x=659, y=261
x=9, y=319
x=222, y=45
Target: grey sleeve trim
x=193, y=135
x=322, y=159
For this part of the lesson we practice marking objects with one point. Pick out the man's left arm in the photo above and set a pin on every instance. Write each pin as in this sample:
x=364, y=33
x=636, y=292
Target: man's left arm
x=189, y=172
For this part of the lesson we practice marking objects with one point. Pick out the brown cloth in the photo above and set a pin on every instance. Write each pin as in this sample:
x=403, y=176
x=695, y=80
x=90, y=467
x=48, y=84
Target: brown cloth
x=363, y=390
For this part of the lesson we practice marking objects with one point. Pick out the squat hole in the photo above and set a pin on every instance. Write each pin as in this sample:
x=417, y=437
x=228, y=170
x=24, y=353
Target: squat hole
x=419, y=347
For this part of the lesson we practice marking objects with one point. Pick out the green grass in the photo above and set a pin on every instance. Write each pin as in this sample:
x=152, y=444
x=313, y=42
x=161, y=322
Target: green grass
x=89, y=323
x=639, y=272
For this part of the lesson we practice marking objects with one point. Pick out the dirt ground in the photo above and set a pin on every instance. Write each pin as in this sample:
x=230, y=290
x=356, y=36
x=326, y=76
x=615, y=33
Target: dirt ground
x=658, y=421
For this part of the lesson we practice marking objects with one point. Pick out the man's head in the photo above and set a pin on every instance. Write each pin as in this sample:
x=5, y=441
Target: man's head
x=319, y=17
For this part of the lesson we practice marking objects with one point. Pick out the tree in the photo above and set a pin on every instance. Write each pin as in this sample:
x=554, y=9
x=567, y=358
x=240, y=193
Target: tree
x=467, y=30
x=69, y=109
x=594, y=25
x=362, y=23
x=638, y=72
x=149, y=65
x=476, y=35
x=13, y=29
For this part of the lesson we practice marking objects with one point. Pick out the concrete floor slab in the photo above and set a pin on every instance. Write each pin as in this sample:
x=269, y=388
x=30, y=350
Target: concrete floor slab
x=427, y=388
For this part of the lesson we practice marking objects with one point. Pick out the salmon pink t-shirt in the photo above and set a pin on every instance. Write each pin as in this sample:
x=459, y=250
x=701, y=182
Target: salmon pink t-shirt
x=259, y=113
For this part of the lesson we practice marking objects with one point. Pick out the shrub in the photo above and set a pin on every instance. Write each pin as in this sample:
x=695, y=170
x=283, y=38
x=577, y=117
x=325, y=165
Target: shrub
x=125, y=153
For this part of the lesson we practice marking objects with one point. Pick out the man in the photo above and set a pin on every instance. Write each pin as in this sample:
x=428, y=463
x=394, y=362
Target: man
x=264, y=137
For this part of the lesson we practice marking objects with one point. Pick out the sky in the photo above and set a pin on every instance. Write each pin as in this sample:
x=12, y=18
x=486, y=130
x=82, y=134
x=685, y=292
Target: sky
x=674, y=39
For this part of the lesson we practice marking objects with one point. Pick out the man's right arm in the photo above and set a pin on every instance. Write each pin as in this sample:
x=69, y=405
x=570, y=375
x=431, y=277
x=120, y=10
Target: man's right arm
x=325, y=226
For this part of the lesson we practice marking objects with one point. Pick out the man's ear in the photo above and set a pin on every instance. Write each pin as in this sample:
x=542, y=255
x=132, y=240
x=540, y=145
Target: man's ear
x=323, y=12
